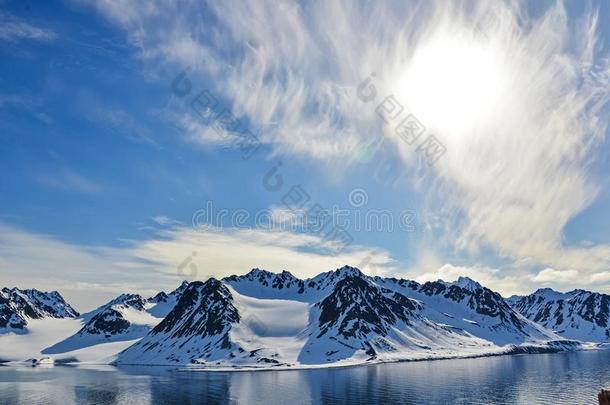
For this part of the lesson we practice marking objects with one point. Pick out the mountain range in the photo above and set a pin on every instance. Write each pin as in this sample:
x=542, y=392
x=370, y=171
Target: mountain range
x=276, y=320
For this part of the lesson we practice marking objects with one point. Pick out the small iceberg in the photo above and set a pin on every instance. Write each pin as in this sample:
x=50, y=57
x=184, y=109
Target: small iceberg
x=43, y=361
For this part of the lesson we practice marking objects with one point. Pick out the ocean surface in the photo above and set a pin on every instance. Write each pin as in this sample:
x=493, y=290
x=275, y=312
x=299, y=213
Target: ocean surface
x=562, y=378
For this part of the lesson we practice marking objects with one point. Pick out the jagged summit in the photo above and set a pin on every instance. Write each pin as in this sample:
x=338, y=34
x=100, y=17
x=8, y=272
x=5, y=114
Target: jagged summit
x=346, y=271
x=263, y=276
x=467, y=283
x=159, y=297
x=162, y=296
x=180, y=289
x=549, y=293
x=130, y=300
x=18, y=306
x=324, y=279
x=578, y=314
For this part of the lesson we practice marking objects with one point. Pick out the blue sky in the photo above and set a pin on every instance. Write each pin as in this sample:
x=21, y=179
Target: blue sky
x=105, y=163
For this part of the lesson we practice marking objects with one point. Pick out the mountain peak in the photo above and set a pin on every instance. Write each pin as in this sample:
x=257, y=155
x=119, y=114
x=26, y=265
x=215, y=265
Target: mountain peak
x=579, y=291
x=17, y=306
x=349, y=270
x=548, y=293
x=128, y=300
x=180, y=289
x=286, y=274
x=326, y=279
x=467, y=283
x=257, y=271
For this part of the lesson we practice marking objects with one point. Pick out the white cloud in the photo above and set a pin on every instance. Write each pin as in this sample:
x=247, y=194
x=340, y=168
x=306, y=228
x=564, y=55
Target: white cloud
x=511, y=281
x=31, y=260
x=601, y=277
x=517, y=169
x=495, y=279
x=164, y=220
x=284, y=218
x=90, y=275
x=549, y=275
x=222, y=252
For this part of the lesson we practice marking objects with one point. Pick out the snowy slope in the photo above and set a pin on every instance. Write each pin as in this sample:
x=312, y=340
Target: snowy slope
x=45, y=332
x=126, y=318
x=467, y=305
x=578, y=314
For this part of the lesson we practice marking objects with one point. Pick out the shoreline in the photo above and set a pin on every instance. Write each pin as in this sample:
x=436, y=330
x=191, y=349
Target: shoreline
x=513, y=351
x=506, y=351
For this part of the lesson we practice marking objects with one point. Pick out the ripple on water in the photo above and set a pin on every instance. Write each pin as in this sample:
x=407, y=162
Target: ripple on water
x=563, y=378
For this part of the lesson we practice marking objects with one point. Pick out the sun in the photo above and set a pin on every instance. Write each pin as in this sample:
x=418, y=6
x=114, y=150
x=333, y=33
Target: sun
x=454, y=83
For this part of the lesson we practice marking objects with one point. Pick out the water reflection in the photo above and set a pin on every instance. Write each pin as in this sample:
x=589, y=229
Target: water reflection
x=529, y=379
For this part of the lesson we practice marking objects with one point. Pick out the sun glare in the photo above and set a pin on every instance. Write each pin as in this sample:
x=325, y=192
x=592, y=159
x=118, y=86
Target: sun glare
x=453, y=84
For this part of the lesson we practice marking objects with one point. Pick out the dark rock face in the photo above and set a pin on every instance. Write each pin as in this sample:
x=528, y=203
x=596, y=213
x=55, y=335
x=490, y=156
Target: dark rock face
x=594, y=307
x=356, y=315
x=204, y=309
x=195, y=330
x=164, y=297
x=9, y=315
x=17, y=306
x=356, y=307
x=480, y=299
x=433, y=288
x=160, y=297
x=108, y=320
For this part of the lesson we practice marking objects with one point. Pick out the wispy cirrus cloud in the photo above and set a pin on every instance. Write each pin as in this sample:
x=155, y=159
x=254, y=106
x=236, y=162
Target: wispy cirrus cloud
x=69, y=180
x=518, y=166
x=121, y=123
x=13, y=29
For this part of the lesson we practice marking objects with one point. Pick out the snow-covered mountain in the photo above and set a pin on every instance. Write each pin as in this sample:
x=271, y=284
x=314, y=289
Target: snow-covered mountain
x=17, y=307
x=577, y=314
x=196, y=328
x=340, y=317
x=337, y=317
x=471, y=307
x=127, y=317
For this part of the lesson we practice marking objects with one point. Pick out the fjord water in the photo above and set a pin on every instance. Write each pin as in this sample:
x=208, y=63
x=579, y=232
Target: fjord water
x=562, y=378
